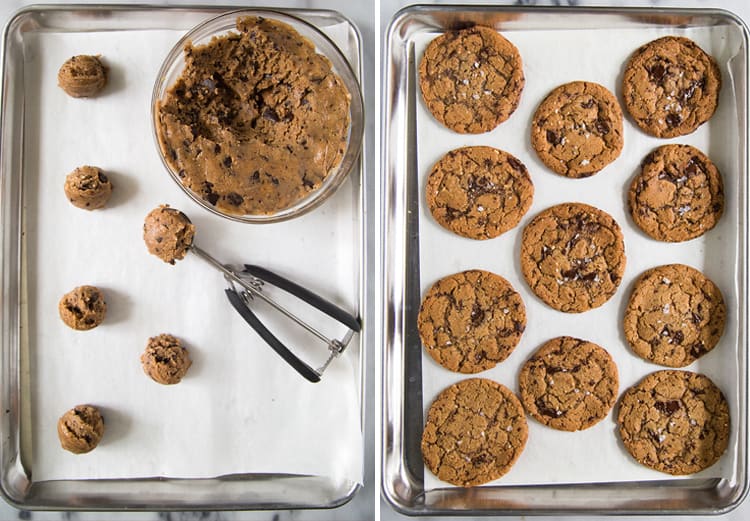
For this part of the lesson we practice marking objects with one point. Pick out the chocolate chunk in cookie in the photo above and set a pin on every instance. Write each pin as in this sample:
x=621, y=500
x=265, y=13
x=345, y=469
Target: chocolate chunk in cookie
x=675, y=315
x=471, y=79
x=474, y=433
x=569, y=384
x=671, y=86
x=83, y=308
x=679, y=194
x=479, y=192
x=471, y=321
x=675, y=422
x=577, y=129
x=573, y=256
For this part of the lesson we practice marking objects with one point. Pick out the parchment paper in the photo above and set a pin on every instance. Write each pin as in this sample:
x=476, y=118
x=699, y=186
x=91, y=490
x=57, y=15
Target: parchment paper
x=552, y=58
x=240, y=409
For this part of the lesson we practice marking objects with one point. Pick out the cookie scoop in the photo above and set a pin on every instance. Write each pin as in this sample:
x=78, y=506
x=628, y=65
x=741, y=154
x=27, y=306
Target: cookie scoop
x=80, y=429
x=82, y=76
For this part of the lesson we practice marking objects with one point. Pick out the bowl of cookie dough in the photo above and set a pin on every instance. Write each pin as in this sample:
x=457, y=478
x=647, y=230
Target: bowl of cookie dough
x=257, y=115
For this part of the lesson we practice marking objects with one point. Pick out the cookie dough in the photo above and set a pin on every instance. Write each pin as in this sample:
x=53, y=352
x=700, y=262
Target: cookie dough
x=475, y=431
x=165, y=361
x=479, y=192
x=88, y=188
x=168, y=233
x=674, y=316
x=675, y=422
x=80, y=429
x=573, y=256
x=671, y=86
x=471, y=79
x=82, y=76
x=569, y=384
x=679, y=194
x=83, y=308
x=471, y=321
x=577, y=130
x=256, y=121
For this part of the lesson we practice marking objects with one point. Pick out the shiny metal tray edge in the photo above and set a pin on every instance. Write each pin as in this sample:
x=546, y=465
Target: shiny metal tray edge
x=231, y=492
x=402, y=468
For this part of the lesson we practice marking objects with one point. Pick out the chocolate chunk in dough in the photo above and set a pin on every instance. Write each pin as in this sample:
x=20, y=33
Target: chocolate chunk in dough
x=82, y=76
x=88, y=188
x=83, y=308
x=80, y=429
x=165, y=360
x=168, y=233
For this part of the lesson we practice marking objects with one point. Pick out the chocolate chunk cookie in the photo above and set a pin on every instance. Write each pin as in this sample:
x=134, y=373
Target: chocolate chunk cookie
x=675, y=315
x=471, y=321
x=168, y=233
x=671, y=86
x=165, y=361
x=573, y=256
x=83, y=308
x=679, y=194
x=80, y=429
x=82, y=76
x=474, y=433
x=569, y=384
x=675, y=422
x=479, y=192
x=88, y=188
x=577, y=129
x=471, y=79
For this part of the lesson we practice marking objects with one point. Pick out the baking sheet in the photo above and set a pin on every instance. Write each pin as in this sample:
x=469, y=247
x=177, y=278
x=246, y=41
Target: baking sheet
x=551, y=58
x=240, y=409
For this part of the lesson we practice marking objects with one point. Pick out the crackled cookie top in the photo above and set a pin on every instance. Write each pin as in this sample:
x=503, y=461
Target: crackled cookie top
x=675, y=315
x=679, y=194
x=675, y=422
x=471, y=321
x=474, y=433
x=569, y=384
x=479, y=192
x=256, y=121
x=671, y=86
x=577, y=130
x=573, y=256
x=471, y=79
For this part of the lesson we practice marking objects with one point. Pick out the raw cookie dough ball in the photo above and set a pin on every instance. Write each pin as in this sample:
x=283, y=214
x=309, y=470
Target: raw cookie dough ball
x=88, y=188
x=80, y=429
x=168, y=233
x=82, y=76
x=165, y=360
x=83, y=308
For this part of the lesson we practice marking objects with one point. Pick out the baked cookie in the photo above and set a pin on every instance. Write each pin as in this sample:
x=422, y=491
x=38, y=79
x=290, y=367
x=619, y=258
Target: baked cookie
x=479, y=192
x=82, y=76
x=471, y=79
x=165, y=361
x=474, y=433
x=679, y=194
x=80, y=429
x=674, y=421
x=569, y=384
x=471, y=321
x=577, y=130
x=168, y=233
x=573, y=256
x=88, y=188
x=671, y=86
x=83, y=308
x=675, y=315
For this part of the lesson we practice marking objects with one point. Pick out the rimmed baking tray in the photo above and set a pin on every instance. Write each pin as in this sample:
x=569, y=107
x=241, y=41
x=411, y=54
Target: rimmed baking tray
x=415, y=252
x=235, y=491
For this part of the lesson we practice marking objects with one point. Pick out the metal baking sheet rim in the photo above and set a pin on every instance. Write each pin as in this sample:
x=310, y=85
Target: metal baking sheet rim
x=401, y=374
x=231, y=492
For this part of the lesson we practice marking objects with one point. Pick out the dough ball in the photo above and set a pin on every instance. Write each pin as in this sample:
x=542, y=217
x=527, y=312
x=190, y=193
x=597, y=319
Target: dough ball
x=168, y=233
x=88, y=188
x=80, y=429
x=83, y=308
x=82, y=76
x=165, y=360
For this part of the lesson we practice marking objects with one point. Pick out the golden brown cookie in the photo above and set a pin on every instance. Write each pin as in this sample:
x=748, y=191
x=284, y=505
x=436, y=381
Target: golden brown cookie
x=474, y=433
x=471, y=321
x=671, y=86
x=573, y=256
x=164, y=360
x=471, y=79
x=569, y=384
x=168, y=233
x=479, y=192
x=88, y=188
x=675, y=315
x=679, y=194
x=83, y=308
x=82, y=76
x=675, y=422
x=80, y=429
x=577, y=130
